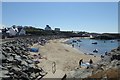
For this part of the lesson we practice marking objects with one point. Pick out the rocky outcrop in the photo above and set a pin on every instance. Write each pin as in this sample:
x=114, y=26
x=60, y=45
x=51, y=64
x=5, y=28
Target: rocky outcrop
x=110, y=66
x=16, y=62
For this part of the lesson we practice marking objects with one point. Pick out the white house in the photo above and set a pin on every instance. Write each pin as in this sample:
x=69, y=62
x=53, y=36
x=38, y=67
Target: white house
x=48, y=27
x=15, y=31
x=11, y=32
x=22, y=32
x=57, y=29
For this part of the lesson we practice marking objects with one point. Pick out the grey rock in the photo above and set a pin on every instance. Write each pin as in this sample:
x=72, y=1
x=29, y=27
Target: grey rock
x=24, y=57
x=33, y=75
x=10, y=59
x=8, y=49
x=29, y=62
x=17, y=57
x=3, y=57
x=16, y=68
x=24, y=63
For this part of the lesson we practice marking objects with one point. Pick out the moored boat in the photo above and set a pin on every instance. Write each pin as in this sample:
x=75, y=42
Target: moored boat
x=96, y=51
x=94, y=43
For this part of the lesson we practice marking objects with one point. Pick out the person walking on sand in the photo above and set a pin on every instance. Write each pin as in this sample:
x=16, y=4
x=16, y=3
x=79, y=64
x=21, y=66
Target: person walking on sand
x=91, y=62
x=80, y=62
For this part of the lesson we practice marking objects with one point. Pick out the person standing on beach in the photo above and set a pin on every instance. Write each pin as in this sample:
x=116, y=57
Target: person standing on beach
x=73, y=45
x=91, y=62
x=80, y=62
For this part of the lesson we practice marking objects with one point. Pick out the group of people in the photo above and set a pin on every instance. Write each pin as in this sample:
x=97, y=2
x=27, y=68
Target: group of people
x=90, y=62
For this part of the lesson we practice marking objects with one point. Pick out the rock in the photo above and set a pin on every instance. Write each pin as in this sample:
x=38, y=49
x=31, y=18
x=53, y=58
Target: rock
x=24, y=63
x=16, y=62
x=33, y=75
x=29, y=61
x=16, y=68
x=4, y=53
x=31, y=65
x=17, y=57
x=3, y=57
x=12, y=47
x=118, y=49
x=9, y=67
x=39, y=77
x=24, y=57
x=115, y=57
x=10, y=59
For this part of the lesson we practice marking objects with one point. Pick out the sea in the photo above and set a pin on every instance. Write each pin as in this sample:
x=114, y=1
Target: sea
x=85, y=45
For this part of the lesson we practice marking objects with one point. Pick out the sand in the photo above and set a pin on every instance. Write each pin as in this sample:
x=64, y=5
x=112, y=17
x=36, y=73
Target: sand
x=65, y=56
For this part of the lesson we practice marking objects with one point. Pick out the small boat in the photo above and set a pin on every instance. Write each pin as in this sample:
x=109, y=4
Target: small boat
x=96, y=51
x=118, y=40
x=74, y=41
x=104, y=41
x=112, y=41
x=79, y=40
x=94, y=43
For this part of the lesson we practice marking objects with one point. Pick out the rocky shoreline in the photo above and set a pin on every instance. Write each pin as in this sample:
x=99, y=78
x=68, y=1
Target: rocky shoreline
x=18, y=65
x=107, y=68
x=16, y=62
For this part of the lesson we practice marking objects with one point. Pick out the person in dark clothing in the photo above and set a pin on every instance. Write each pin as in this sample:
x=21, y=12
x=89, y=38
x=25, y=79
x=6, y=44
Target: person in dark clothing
x=73, y=45
x=90, y=61
x=80, y=62
x=90, y=66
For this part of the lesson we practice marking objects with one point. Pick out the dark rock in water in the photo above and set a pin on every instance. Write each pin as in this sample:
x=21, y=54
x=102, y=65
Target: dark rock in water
x=118, y=49
x=115, y=57
x=74, y=41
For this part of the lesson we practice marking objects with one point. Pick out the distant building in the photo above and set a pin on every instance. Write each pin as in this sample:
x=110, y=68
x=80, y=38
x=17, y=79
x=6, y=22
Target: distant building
x=48, y=27
x=16, y=31
x=11, y=32
x=57, y=29
x=22, y=32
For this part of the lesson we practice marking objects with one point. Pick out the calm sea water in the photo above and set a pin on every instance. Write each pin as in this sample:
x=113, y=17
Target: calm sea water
x=86, y=45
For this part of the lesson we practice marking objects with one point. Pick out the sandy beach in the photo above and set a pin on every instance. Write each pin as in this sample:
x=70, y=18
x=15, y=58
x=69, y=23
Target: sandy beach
x=65, y=57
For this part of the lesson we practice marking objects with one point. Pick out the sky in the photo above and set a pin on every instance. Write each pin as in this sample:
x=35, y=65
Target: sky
x=101, y=17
